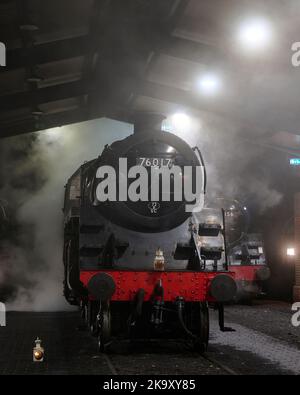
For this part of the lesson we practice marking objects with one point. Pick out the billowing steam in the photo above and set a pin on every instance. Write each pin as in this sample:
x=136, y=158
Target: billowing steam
x=35, y=168
x=238, y=167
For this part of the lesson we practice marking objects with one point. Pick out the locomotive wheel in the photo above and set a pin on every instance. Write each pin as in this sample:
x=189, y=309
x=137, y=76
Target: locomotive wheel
x=104, y=325
x=200, y=324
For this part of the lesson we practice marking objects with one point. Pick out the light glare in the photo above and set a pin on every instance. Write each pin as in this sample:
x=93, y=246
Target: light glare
x=210, y=84
x=255, y=34
x=181, y=121
x=290, y=251
x=53, y=135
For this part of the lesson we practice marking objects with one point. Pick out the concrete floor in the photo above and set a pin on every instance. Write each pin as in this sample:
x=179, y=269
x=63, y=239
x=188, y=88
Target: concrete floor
x=265, y=342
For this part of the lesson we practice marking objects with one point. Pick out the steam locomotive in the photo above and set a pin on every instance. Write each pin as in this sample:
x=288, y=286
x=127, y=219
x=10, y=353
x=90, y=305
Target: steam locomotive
x=246, y=252
x=144, y=268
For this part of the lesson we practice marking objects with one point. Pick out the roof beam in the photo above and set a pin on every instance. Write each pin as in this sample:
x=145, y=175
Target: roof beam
x=184, y=98
x=43, y=95
x=195, y=51
x=172, y=95
x=47, y=52
x=221, y=58
x=48, y=121
x=140, y=88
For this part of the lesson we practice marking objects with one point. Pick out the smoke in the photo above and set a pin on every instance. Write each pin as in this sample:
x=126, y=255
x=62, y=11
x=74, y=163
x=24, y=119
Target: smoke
x=34, y=170
x=237, y=167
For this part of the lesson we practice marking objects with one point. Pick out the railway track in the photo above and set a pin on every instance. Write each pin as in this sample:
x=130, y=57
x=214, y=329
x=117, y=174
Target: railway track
x=70, y=349
x=110, y=365
x=145, y=362
x=221, y=365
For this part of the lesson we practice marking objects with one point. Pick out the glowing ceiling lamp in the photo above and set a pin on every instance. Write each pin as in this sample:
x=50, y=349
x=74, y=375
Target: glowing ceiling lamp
x=255, y=34
x=290, y=251
x=210, y=84
x=181, y=121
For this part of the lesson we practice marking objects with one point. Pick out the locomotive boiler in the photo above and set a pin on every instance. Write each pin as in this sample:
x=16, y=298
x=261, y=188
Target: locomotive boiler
x=144, y=268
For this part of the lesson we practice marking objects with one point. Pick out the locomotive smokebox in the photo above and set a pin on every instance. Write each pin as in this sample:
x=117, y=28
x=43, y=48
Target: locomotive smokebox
x=223, y=288
x=101, y=286
x=145, y=122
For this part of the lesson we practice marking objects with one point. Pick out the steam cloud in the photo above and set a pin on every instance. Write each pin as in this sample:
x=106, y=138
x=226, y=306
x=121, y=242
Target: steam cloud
x=237, y=167
x=35, y=168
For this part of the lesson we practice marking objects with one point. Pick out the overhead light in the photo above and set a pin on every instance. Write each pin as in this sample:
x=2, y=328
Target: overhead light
x=181, y=121
x=290, y=251
x=209, y=84
x=255, y=34
x=184, y=125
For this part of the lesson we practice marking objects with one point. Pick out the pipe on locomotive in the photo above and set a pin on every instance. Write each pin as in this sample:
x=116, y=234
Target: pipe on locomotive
x=144, y=122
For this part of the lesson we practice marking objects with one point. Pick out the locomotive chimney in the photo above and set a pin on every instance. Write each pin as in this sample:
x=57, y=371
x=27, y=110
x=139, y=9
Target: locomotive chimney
x=148, y=122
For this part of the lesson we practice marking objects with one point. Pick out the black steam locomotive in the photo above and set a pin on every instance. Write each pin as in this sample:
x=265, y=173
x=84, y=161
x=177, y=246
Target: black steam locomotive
x=144, y=268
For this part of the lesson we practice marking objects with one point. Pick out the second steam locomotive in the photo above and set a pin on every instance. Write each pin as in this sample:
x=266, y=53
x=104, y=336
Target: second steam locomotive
x=245, y=251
